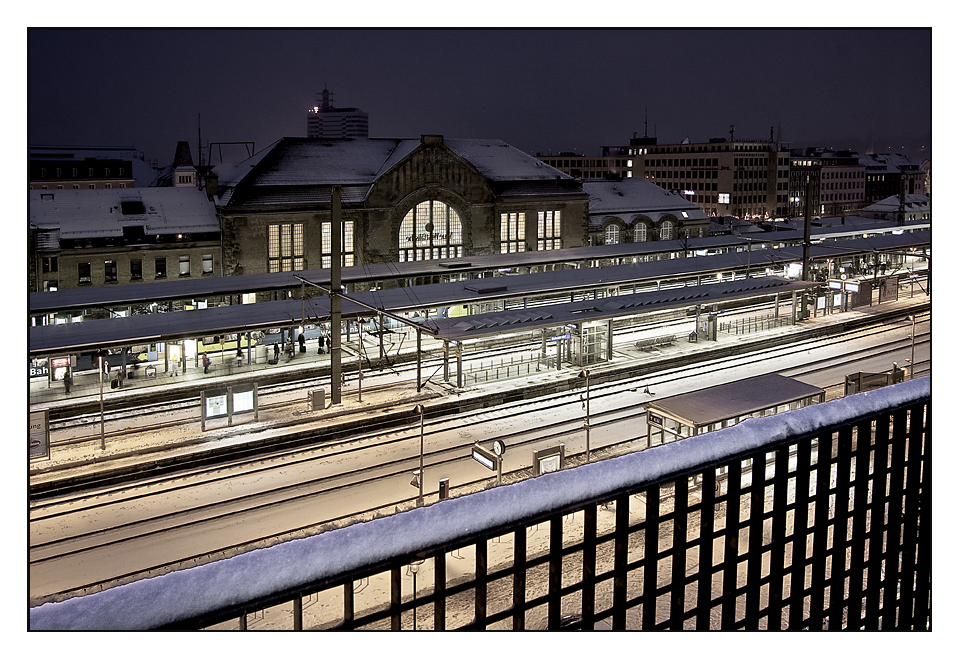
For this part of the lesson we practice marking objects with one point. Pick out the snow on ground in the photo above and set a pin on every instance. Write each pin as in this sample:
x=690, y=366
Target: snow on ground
x=162, y=600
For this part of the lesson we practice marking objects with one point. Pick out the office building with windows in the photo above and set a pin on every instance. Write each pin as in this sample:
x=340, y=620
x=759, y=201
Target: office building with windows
x=888, y=174
x=743, y=178
x=327, y=122
x=79, y=238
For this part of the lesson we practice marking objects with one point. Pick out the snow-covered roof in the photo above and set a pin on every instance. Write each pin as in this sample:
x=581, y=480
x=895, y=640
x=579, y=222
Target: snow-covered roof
x=734, y=399
x=498, y=161
x=104, y=213
x=143, y=173
x=292, y=165
x=631, y=197
x=888, y=162
x=913, y=202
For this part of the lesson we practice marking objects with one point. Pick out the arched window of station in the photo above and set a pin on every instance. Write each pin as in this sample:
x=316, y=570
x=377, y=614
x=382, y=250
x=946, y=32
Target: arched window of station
x=430, y=230
x=640, y=231
x=667, y=230
x=612, y=233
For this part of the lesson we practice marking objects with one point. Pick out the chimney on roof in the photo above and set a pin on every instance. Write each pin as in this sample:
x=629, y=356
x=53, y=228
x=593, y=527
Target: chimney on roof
x=431, y=140
x=210, y=183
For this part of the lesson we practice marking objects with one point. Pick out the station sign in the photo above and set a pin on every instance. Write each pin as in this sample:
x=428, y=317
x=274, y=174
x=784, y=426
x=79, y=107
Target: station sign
x=484, y=457
x=654, y=418
x=39, y=369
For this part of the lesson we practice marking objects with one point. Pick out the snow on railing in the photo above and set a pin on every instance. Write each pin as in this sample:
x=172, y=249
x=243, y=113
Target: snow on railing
x=162, y=600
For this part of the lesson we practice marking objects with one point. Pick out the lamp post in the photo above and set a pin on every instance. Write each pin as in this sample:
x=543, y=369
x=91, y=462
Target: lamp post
x=419, y=500
x=102, y=439
x=585, y=374
x=359, y=360
x=912, y=358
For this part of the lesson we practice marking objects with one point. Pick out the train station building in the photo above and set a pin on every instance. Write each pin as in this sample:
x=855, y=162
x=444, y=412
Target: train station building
x=402, y=200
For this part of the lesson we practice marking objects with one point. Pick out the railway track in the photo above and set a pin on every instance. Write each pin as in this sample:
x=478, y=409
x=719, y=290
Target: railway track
x=262, y=502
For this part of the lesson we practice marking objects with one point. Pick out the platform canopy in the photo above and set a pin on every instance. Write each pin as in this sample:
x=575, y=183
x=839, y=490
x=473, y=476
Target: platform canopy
x=559, y=315
x=735, y=399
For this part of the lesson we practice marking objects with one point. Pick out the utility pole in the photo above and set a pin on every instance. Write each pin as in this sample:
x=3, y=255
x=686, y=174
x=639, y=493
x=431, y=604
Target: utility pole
x=807, y=230
x=336, y=368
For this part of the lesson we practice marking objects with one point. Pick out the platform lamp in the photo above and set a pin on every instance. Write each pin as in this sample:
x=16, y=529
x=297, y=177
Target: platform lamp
x=585, y=374
x=419, y=500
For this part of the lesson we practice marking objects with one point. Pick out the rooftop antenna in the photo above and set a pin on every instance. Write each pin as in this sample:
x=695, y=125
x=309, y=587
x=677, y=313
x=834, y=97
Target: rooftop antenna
x=199, y=142
x=646, y=123
x=732, y=130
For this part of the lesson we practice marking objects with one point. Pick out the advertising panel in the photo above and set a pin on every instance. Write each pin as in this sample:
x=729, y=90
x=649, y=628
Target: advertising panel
x=242, y=401
x=39, y=437
x=215, y=406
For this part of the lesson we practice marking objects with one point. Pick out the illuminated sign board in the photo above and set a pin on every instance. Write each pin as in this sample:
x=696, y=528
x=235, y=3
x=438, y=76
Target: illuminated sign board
x=484, y=457
x=226, y=403
x=215, y=406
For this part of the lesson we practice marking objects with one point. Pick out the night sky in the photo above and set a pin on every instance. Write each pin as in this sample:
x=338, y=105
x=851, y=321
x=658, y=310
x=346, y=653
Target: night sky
x=539, y=90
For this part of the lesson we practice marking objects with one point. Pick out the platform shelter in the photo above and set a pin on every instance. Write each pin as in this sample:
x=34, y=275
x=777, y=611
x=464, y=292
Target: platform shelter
x=705, y=410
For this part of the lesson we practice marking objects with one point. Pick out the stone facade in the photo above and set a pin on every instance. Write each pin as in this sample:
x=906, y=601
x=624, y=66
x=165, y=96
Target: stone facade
x=431, y=171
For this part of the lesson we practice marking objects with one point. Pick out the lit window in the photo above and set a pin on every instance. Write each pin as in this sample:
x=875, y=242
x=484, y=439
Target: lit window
x=185, y=265
x=612, y=234
x=549, y=230
x=346, y=246
x=285, y=248
x=666, y=230
x=512, y=232
x=430, y=230
x=639, y=232
x=208, y=264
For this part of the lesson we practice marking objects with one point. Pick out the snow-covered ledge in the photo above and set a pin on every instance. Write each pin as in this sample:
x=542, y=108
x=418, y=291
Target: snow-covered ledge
x=163, y=600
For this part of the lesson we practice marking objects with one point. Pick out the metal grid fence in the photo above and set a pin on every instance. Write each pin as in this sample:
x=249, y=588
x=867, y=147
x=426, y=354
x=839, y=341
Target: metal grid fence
x=829, y=530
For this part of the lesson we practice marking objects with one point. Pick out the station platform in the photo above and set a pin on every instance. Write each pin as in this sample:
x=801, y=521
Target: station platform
x=140, y=442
